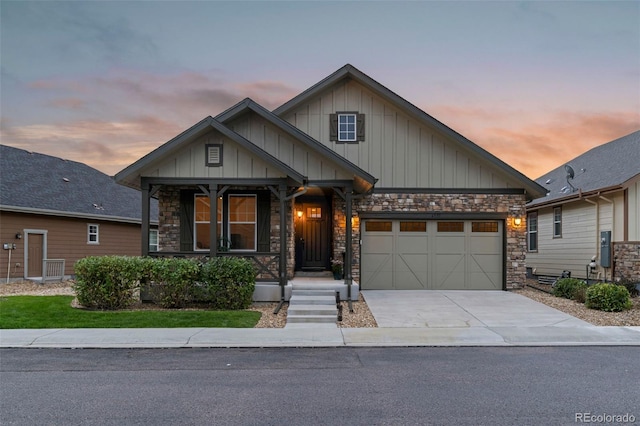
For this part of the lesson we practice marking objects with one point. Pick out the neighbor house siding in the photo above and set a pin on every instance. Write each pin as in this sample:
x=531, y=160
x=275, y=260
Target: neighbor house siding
x=582, y=222
x=398, y=149
x=633, y=209
x=237, y=162
x=66, y=239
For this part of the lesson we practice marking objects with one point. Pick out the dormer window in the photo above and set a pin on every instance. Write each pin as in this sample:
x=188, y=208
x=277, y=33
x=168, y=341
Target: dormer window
x=346, y=127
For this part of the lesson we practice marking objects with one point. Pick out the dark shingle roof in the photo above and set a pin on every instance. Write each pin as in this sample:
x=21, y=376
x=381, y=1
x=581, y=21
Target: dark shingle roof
x=42, y=183
x=606, y=166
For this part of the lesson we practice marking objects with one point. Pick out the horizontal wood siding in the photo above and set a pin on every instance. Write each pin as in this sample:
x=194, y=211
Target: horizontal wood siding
x=237, y=162
x=66, y=239
x=287, y=149
x=398, y=149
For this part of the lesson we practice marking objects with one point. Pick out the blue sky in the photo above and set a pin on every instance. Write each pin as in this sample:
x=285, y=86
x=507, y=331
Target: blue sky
x=104, y=83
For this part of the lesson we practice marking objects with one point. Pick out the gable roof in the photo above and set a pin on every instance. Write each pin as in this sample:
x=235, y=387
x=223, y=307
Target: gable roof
x=607, y=167
x=320, y=149
x=130, y=176
x=42, y=184
x=350, y=72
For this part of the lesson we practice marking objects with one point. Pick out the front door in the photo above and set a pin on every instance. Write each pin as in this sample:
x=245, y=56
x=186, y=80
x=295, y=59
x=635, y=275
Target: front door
x=312, y=242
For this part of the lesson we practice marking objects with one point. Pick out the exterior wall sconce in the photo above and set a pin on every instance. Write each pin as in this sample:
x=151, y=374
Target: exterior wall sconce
x=18, y=236
x=355, y=222
x=299, y=214
x=517, y=221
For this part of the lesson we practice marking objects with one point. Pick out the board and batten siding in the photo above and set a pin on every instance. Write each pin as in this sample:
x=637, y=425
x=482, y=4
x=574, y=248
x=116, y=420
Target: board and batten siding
x=582, y=223
x=286, y=148
x=237, y=161
x=399, y=149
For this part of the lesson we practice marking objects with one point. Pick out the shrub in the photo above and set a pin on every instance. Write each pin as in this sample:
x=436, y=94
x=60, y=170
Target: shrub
x=608, y=297
x=107, y=282
x=568, y=288
x=630, y=285
x=171, y=281
x=227, y=283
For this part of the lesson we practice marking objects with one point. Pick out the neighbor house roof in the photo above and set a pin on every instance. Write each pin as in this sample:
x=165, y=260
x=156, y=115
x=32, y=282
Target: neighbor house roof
x=350, y=72
x=42, y=184
x=608, y=167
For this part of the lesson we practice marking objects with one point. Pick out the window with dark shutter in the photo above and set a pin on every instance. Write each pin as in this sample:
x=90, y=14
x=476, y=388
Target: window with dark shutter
x=213, y=155
x=346, y=127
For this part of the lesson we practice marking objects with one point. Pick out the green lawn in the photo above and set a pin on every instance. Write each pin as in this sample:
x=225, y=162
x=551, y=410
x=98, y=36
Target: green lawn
x=56, y=312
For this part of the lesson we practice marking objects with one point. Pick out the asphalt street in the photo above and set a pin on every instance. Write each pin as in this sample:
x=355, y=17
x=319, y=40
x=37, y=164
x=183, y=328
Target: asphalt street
x=323, y=386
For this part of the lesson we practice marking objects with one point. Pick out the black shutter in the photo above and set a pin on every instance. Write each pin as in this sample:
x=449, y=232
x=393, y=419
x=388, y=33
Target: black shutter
x=360, y=127
x=333, y=127
x=186, y=220
x=264, y=221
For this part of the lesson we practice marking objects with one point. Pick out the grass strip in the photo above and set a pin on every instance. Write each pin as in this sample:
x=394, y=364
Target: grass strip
x=56, y=312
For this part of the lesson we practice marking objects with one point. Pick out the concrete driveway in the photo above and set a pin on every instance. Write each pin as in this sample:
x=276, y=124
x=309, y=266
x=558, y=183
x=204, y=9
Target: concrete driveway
x=461, y=308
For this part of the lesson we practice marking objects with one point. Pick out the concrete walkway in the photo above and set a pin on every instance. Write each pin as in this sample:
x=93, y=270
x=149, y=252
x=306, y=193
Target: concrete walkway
x=405, y=318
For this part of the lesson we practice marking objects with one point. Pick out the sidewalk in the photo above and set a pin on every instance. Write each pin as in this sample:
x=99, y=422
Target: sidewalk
x=319, y=337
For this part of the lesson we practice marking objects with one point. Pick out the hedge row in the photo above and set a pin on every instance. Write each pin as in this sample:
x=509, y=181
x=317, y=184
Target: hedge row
x=609, y=297
x=115, y=282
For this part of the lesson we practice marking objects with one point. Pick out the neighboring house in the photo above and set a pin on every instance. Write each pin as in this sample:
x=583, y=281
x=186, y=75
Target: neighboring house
x=346, y=171
x=52, y=208
x=592, y=209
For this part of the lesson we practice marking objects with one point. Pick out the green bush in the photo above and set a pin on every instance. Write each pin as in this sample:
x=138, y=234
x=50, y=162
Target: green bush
x=107, y=282
x=608, y=297
x=171, y=281
x=630, y=285
x=569, y=288
x=227, y=283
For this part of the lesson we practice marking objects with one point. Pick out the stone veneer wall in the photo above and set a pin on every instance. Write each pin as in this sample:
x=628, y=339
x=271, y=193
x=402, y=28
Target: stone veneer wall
x=512, y=204
x=627, y=260
x=169, y=226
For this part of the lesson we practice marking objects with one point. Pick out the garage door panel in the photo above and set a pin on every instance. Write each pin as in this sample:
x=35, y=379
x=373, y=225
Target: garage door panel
x=453, y=255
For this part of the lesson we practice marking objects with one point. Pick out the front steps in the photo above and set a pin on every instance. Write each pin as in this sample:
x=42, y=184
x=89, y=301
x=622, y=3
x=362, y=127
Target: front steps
x=312, y=308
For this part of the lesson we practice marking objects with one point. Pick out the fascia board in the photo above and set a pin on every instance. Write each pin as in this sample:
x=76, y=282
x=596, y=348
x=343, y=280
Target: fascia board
x=47, y=212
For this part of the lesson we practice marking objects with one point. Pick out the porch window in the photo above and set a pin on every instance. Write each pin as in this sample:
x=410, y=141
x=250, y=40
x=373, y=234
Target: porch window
x=532, y=231
x=240, y=232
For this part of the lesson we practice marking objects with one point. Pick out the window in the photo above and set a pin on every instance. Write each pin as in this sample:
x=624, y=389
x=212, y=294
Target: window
x=202, y=217
x=370, y=226
x=484, y=226
x=93, y=234
x=450, y=226
x=242, y=222
x=557, y=222
x=314, y=213
x=346, y=127
x=413, y=226
x=153, y=240
x=532, y=231
x=213, y=155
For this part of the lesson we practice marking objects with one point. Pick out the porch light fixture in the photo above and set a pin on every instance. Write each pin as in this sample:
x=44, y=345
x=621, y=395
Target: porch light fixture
x=517, y=221
x=18, y=235
x=299, y=214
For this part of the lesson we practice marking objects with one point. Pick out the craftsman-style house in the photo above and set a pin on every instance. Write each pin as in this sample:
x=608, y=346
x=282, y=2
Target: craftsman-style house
x=346, y=172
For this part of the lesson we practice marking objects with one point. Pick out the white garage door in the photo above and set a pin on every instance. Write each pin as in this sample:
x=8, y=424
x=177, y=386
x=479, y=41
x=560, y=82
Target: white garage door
x=432, y=255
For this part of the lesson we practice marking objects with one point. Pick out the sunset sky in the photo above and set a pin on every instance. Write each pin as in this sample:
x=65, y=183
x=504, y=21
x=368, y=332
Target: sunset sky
x=104, y=83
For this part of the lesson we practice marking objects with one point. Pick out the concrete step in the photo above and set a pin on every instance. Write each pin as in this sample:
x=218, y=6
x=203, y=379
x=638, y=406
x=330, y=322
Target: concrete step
x=307, y=319
x=312, y=300
x=313, y=325
x=312, y=310
x=314, y=292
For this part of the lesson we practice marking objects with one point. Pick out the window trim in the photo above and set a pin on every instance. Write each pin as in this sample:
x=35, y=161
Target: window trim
x=557, y=223
x=348, y=130
x=532, y=218
x=96, y=233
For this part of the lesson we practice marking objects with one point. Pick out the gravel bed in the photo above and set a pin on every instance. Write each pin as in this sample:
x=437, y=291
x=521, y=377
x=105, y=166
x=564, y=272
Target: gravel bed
x=362, y=317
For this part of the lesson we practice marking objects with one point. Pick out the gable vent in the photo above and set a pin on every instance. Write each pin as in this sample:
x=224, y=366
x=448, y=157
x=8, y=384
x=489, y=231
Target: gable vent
x=213, y=155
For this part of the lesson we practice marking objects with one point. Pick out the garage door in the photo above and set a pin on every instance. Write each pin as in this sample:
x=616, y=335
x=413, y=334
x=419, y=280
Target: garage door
x=432, y=255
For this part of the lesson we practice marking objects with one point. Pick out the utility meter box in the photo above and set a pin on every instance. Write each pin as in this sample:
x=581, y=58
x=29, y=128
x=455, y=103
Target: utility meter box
x=605, y=249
